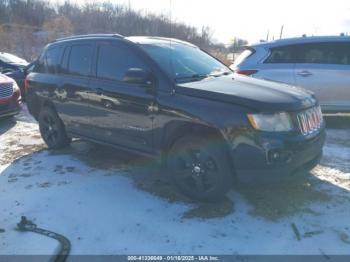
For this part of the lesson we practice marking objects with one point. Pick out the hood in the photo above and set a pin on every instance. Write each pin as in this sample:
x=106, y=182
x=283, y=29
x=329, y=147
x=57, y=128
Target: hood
x=257, y=94
x=18, y=74
x=5, y=79
x=20, y=64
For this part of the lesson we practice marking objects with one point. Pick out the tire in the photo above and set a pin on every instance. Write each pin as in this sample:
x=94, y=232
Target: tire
x=200, y=168
x=52, y=129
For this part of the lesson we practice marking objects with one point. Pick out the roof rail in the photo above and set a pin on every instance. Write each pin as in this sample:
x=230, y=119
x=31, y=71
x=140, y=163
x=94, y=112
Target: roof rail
x=87, y=36
x=175, y=40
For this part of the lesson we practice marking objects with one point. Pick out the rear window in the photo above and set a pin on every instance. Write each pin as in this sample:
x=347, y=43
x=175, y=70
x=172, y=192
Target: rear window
x=243, y=56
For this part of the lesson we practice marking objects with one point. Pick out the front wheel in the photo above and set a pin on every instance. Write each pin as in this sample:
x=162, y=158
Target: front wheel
x=200, y=168
x=52, y=129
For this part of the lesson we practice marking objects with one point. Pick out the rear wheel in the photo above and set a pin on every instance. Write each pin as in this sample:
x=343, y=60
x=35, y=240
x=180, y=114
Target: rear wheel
x=200, y=168
x=52, y=129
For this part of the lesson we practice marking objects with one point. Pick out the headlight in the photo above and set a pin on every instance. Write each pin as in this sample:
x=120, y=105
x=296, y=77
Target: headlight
x=278, y=122
x=15, y=86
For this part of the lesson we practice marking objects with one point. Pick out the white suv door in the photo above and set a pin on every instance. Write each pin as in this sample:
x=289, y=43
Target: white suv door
x=324, y=68
x=279, y=66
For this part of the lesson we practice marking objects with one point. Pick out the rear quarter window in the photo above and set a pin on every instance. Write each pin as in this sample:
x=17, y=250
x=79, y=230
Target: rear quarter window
x=281, y=55
x=49, y=61
x=53, y=60
x=40, y=65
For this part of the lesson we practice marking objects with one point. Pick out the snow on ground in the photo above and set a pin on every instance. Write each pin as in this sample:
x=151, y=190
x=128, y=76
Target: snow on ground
x=108, y=202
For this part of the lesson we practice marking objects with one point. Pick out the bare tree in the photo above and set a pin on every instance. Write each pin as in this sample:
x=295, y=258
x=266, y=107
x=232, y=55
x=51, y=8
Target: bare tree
x=27, y=25
x=58, y=27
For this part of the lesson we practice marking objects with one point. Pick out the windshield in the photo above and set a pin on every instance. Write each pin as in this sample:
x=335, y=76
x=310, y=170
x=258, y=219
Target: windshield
x=185, y=63
x=8, y=58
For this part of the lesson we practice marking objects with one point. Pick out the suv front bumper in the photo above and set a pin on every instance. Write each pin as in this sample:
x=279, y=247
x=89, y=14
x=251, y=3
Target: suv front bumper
x=273, y=157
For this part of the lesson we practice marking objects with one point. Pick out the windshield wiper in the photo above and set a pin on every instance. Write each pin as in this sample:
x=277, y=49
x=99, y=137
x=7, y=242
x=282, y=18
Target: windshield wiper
x=191, y=78
x=198, y=77
x=217, y=74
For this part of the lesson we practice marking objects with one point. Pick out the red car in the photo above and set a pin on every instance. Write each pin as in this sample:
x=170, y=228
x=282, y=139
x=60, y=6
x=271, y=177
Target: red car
x=10, y=97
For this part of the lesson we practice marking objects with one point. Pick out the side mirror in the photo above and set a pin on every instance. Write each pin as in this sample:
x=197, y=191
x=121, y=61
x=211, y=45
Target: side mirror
x=138, y=76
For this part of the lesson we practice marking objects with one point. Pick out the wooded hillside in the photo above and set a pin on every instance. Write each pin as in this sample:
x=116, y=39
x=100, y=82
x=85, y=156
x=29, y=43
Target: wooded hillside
x=27, y=25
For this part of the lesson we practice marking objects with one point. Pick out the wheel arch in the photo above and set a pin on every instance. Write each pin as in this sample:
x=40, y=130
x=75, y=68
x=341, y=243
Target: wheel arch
x=48, y=103
x=177, y=129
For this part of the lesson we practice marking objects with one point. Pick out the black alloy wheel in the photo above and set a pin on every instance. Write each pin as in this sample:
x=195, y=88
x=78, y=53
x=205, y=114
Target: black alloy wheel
x=200, y=168
x=52, y=129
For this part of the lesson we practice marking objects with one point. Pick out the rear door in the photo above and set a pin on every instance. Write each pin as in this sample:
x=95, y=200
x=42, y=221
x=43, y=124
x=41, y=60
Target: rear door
x=121, y=111
x=324, y=68
x=73, y=92
x=279, y=65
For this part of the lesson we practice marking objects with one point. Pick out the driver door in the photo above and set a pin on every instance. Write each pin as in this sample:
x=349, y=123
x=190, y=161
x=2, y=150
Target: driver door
x=122, y=111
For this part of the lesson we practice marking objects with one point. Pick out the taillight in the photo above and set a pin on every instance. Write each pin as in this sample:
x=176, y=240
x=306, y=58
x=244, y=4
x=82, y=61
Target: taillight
x=246, y=72
x=25, y=86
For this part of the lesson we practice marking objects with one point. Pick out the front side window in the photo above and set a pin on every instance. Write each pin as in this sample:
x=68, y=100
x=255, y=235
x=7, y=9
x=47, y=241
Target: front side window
x=182, y=62
x=115, y=60
x=80, y=60
x=324, y=53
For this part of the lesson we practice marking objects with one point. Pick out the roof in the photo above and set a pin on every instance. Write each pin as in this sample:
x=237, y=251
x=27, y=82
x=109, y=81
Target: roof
x=301, y=40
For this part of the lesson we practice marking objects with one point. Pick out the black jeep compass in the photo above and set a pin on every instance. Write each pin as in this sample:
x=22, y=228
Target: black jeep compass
x=167, y=98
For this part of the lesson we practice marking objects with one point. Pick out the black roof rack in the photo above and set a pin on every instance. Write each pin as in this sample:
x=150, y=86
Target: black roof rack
x=164, y=39
x=173, y=40
x=88, y=36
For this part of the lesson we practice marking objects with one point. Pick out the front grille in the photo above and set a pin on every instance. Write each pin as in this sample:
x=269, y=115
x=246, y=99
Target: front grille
x=310, y=120
x=6, y=90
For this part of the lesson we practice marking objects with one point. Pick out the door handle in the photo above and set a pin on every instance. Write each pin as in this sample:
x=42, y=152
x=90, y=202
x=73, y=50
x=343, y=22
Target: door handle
x=304, y=73
x=99, y=91
x=153, y=108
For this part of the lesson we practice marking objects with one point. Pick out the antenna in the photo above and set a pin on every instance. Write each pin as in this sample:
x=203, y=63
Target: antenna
x=281, y=31
x=268, y=34
x=170, y=40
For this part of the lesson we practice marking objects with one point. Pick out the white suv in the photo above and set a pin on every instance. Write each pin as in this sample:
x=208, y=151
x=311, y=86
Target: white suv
x=320, y=64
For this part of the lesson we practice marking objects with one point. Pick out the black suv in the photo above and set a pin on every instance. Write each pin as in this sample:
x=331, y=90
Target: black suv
x=168, y=99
